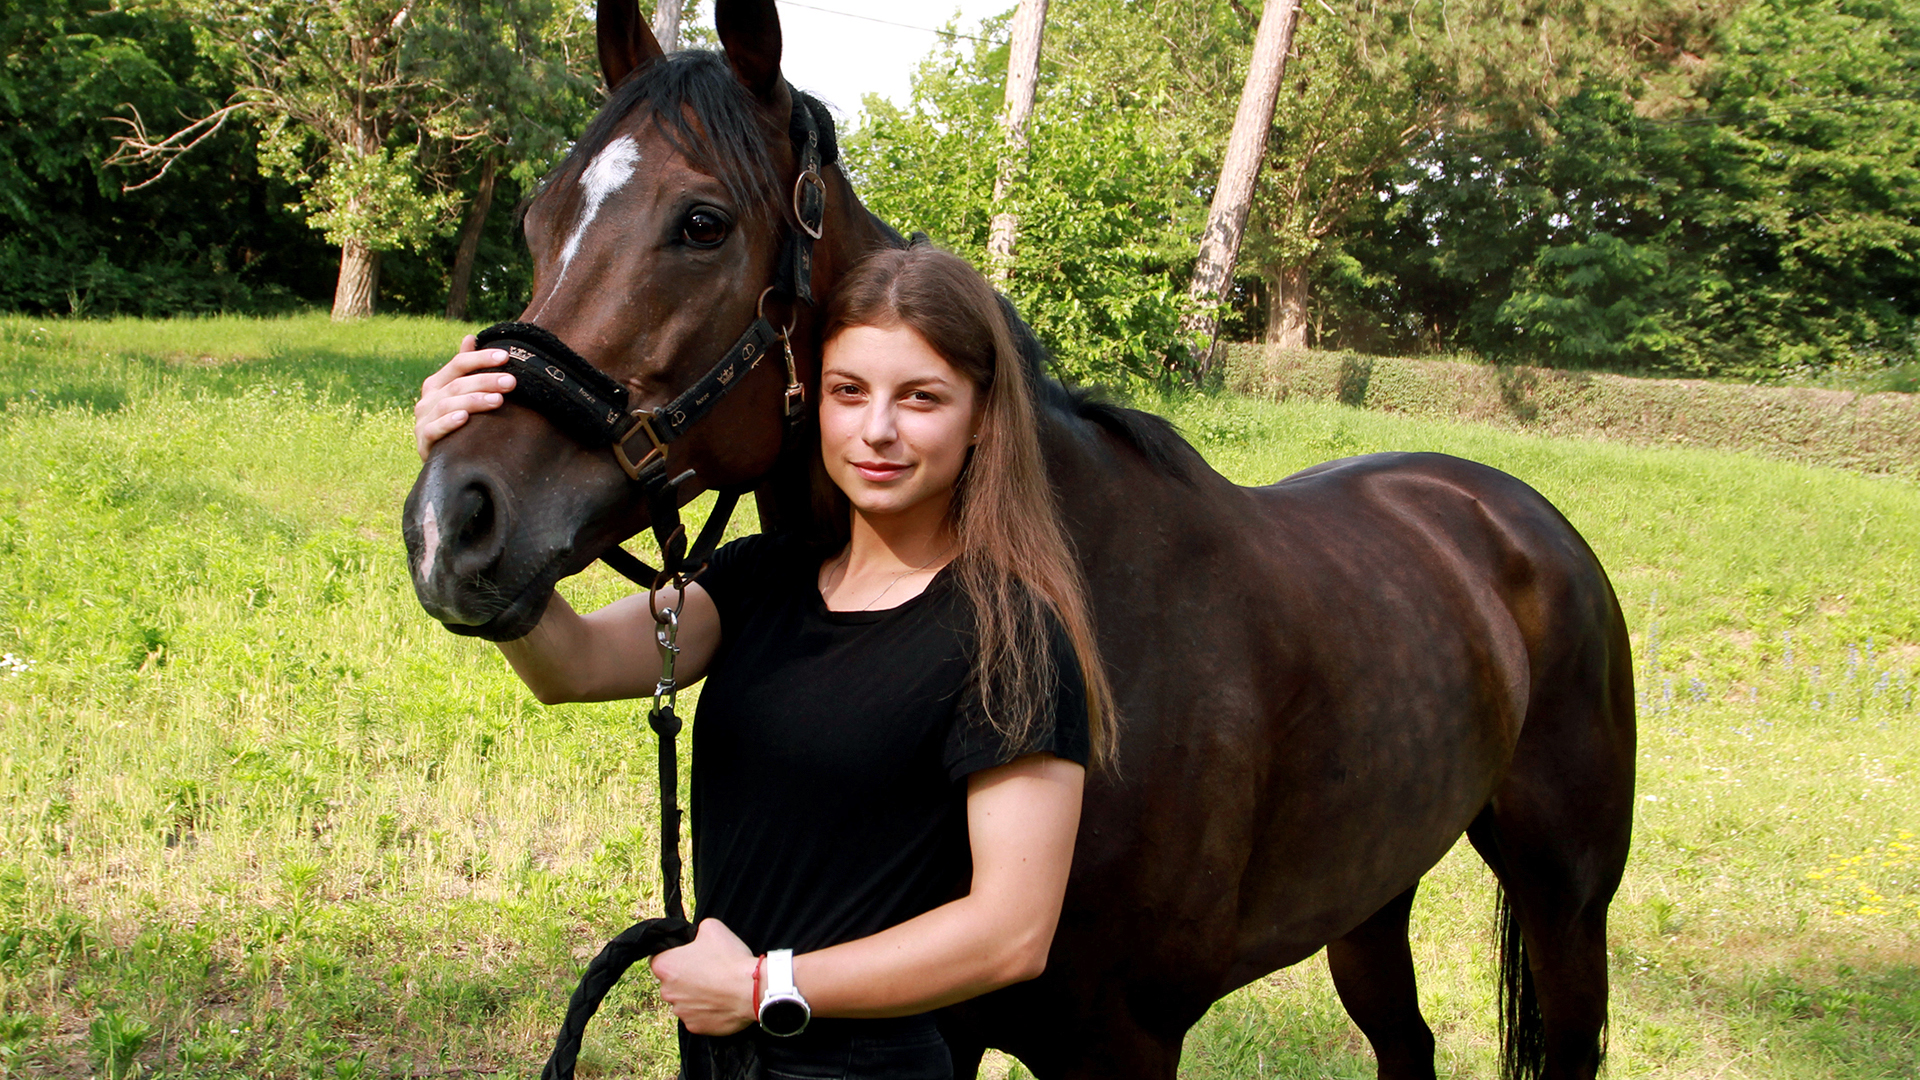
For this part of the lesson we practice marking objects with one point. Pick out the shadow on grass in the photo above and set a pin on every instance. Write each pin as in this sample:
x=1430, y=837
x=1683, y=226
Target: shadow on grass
x=1853, y=1022
x=1847, y=1022
x=106, y=365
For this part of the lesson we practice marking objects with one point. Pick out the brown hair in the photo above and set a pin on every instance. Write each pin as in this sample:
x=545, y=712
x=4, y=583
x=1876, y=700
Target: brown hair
x=1015, y=564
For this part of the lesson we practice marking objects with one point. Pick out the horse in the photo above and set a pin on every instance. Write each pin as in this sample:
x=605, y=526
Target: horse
x=1322, y=682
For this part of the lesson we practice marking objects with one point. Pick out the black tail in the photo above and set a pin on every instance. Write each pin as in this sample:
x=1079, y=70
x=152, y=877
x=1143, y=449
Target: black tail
x=1523, y=1035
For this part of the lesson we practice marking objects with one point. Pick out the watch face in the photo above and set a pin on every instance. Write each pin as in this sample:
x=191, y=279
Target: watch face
x=784, y=1016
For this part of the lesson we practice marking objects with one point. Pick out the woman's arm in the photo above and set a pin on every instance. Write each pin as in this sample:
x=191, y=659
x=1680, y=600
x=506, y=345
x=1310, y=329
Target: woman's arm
x=1021, y=821
x=610, y=654
x=607, y=655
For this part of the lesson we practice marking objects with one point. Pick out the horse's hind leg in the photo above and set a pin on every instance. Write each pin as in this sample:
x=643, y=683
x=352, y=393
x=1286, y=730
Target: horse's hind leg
x=1556, y=834
x=1373, y=971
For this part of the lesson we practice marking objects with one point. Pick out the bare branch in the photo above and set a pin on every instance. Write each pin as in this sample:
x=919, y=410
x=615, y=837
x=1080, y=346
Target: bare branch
x=140, y=148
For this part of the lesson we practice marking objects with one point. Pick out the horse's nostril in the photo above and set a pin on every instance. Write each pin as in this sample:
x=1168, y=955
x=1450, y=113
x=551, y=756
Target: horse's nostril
x=473, y=510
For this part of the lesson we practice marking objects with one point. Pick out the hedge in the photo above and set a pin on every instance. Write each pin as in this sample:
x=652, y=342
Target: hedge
x=1874, y=433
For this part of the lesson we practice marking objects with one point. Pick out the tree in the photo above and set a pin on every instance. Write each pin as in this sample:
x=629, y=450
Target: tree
x=1369, y=89
x=1105, y=205
x=1023, y=77
x=1771, y=224
x=523, y=76
x=356, y=112
x=1233, y=196
x=212, y=237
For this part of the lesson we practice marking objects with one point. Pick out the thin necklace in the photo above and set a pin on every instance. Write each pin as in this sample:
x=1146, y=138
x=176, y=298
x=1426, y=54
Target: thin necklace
x=846, y=562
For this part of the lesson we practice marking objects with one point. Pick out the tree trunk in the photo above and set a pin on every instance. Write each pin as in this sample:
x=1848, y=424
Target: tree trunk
x=666, y=25
x=1246, y=146
x=1287, y=308
x=1023, y=74
x=359, y=280
x=1286, y=320
x=471, y=227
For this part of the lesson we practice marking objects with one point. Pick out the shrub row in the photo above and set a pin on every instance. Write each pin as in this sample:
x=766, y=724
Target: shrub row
x=1874, y=433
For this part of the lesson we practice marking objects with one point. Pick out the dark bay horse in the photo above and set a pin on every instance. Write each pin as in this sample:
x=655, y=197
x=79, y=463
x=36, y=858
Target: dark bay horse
x=1324, y=682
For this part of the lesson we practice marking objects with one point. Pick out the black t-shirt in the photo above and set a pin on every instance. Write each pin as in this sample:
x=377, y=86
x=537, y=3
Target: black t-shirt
x=831, y=749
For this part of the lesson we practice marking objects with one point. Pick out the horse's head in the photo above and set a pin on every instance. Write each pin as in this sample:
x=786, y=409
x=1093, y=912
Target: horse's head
x=652, y=245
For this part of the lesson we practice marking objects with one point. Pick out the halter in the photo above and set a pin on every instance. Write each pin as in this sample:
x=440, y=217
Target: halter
x=596, y=411
x=583, y=401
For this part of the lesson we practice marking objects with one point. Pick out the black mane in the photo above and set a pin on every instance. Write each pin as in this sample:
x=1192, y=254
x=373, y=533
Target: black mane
x=735, y=145
x=1153, y=436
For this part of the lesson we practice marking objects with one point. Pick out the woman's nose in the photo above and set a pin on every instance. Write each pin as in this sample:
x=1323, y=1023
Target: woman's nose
x=879, y=428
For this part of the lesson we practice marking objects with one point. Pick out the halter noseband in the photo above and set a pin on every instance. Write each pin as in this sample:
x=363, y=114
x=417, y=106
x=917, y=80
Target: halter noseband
x=584, y=402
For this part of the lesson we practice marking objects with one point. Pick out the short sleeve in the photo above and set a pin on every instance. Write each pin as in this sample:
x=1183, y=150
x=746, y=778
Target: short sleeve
x=973, y=743
x=740, y=571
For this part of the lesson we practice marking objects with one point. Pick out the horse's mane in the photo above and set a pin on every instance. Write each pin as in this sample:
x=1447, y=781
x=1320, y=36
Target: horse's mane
x=1154, y=437
x=733, y=137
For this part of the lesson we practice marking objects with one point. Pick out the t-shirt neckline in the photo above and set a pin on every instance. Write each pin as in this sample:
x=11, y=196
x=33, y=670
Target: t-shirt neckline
x=820, y=608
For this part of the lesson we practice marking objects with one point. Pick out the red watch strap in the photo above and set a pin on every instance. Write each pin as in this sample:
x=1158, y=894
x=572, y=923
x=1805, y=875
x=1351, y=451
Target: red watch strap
x=759, y=964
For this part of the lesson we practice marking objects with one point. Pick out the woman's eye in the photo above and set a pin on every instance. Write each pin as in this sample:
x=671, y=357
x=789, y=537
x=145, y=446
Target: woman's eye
x=704, y=227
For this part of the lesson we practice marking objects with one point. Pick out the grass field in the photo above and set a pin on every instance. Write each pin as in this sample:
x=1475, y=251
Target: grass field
x=260, y=817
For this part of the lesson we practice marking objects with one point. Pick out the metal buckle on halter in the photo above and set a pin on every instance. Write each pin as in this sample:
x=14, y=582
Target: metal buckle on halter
x=796, y=394
x=809, y=177
x=643, y=421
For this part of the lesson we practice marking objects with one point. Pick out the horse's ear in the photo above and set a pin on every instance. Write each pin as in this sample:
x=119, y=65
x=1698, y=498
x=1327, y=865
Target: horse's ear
x=750, y=33
x=626, y=41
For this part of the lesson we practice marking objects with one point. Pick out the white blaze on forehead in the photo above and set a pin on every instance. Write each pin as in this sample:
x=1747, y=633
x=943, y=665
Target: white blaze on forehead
x=607, y=173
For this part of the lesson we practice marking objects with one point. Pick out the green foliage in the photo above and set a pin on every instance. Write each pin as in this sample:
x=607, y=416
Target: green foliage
x=115, y=1039
x=375, y=198
x=210, y=236
x=1872, y=433
x=1771, y=229
x=1104, y=217
x=388, y=158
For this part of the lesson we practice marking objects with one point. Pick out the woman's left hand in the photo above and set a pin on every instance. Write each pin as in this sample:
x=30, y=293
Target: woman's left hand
x=709, y=981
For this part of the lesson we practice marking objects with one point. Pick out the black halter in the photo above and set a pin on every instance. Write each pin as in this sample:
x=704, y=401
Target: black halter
x=583, y=401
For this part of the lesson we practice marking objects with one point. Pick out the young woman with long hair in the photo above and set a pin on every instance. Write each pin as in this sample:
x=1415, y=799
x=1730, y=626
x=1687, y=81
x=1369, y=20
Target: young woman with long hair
x=891, y=746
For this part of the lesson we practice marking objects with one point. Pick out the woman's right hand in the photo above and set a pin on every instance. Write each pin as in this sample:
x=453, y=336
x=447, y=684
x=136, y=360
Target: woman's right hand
x=457, y=391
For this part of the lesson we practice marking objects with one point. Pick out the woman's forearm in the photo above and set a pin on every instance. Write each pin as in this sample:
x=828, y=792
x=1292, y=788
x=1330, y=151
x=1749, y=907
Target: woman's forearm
x=544, y=658
x=1021, y=821
x=956, y=951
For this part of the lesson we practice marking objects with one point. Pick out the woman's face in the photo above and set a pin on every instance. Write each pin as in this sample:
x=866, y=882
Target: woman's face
x=895, y=421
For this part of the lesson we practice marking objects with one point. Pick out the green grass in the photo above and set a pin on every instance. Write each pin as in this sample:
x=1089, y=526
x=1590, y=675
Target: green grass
x=260, y=817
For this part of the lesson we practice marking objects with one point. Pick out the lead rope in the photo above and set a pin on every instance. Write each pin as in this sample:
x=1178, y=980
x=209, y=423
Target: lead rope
x=589, y=416
x=666, y=729
x=649, y=936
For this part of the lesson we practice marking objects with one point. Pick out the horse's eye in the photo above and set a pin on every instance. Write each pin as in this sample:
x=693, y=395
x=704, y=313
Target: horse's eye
x=705, y=227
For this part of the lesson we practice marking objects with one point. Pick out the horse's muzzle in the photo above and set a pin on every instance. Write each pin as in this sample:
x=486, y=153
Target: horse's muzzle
x=457, y=523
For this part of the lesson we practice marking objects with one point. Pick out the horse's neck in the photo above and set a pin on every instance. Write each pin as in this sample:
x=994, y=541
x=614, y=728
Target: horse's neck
x=1104, y=480
x=854, y=232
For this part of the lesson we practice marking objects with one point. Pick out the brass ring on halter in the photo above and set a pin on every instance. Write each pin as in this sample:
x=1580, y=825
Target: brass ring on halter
x=760, y=311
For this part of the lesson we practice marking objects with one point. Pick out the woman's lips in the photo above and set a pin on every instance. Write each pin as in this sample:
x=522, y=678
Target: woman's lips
x=878, y=470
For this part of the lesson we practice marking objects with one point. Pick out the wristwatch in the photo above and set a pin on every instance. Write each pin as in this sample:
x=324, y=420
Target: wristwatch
x=783, y=1011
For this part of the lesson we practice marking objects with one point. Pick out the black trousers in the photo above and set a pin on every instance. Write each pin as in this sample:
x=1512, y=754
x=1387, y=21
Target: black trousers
x=897, y=1048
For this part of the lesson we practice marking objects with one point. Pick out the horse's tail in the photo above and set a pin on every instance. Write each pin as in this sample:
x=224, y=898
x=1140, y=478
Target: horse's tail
x=1523, y=1034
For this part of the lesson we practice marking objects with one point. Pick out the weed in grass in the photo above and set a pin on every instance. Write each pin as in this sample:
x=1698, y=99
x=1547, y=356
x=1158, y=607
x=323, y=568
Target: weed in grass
x=114, y=1039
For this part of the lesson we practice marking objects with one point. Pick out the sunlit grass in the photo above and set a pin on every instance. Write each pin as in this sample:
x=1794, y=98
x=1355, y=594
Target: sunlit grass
x=260, y=817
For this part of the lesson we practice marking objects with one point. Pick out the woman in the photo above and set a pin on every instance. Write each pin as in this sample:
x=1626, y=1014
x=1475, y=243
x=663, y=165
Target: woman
x=888, y=763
